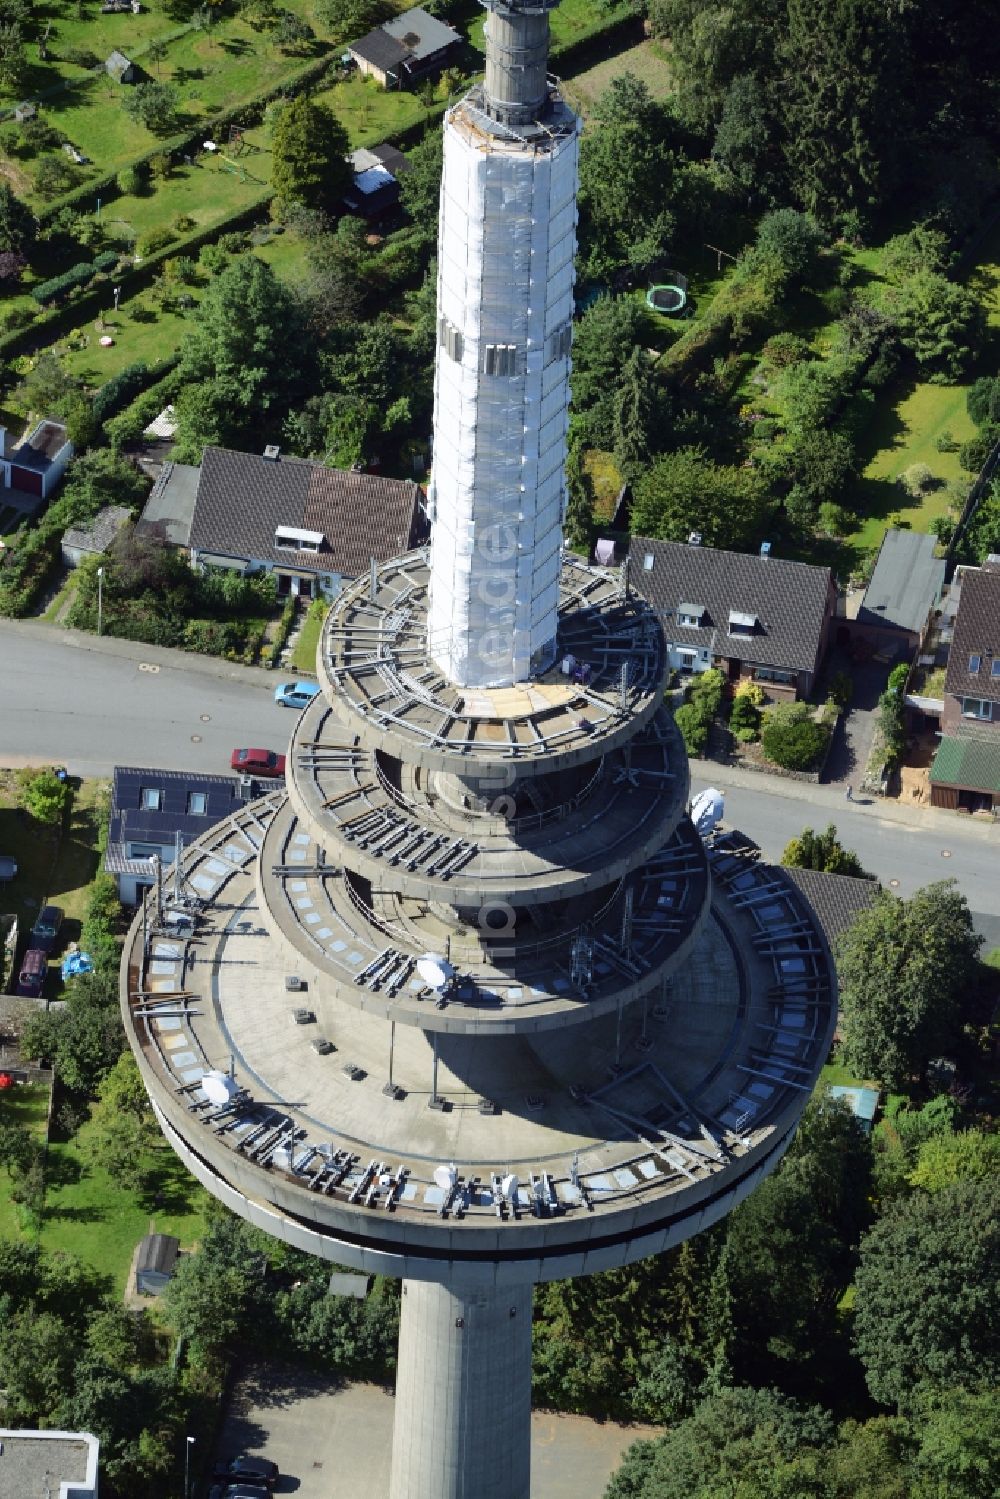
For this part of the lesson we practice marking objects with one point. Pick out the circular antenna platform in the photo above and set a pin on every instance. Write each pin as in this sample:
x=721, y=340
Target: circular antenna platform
x=219, y=1087
x=436, y=972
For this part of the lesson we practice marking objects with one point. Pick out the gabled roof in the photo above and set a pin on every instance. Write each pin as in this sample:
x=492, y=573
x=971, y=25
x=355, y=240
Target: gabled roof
x=968, y=759
x=380, y=50
x=790, y=600
x=837, y=899
x=98, y=534
x=157, y=1252
x=243, y=497
x=905, y=584
x=421, y=34
x=131, y=822
x=977, y=633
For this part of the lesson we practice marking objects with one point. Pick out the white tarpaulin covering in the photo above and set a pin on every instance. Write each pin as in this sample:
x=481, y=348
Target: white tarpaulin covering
x=501, y=394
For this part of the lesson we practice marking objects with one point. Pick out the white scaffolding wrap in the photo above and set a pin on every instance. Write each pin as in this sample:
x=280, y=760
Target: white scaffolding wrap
x=505, y=308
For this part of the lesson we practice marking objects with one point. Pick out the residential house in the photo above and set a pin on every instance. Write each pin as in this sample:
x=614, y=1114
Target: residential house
x=747, y=615
x=406, y=48
x=38, y=462
x=310, y=527
x=902, y=594
x=122, y=68
x=62, y=1464
x=93, y=537
x=25, y=111
x=375, y=189
x=149, y=808
x=965, y=774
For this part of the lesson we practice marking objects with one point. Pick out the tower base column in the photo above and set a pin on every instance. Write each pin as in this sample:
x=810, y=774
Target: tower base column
x=463, y=1393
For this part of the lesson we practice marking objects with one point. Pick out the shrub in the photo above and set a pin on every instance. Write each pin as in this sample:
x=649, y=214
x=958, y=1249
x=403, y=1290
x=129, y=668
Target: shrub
x=129, y=181
x=974, y=453
x=43, y=795
x=694, y=729
x=156, y=239
x=841, y=688
x=791, y=738
x=836, y=520
x=917, y=480
x=705, y=693
x=184, y=223
x=744, y=720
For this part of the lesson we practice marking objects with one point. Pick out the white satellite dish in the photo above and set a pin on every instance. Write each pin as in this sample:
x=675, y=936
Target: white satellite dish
x=707, y=809
x=509, y=1187
x=437, y=973
x=219, y=1087
x=446, y=1177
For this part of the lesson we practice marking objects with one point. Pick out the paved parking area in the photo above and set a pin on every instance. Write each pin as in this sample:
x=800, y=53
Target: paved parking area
x=331, y=1440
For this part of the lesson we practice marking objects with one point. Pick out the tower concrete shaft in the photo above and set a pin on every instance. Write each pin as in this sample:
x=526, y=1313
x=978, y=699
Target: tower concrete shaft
x=501, y=396
x=463, y=1393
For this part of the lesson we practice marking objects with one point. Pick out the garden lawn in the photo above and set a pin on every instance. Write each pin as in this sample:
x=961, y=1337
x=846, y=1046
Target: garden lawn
x=89, y=1214
x=647, y=62
x=206, y=192
x=304, y=655
x=27, y=1105
x=46, y=871
x=370, y=114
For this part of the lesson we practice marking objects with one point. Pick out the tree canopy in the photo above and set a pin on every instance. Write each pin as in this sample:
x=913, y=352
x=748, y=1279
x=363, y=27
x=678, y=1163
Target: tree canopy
x=686, y=491
x=904, y=966
x=822, y=851
x=927, y=1303
x=309, y=148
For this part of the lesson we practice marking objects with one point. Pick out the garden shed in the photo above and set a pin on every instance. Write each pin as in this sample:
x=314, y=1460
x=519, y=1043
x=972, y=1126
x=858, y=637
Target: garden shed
x=155, y=1261
x=121, y=67
x=93, y=538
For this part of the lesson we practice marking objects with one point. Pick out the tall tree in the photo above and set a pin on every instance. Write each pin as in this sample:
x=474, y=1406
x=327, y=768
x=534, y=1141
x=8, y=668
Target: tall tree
x=626, y=178
x=904, y=966
x=840, y=62
x=18, y=226
x=685, y=491
x=309, y=154
x=927, y=1300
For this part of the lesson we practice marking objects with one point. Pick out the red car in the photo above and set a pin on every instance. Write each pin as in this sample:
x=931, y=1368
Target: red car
x=258, y=762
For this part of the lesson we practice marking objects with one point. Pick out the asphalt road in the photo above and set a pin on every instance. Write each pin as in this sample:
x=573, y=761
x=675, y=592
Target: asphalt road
x=92, y=704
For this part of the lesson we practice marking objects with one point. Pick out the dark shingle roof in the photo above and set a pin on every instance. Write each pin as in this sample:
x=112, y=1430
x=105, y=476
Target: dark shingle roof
x=837, y=899
x=420, y=33
x=97, y=535
x=789, y=599
x=969, y=759
x=380, y=50
x=906, y=582
x=243, y=497
x=131, y=822
x=977, y=633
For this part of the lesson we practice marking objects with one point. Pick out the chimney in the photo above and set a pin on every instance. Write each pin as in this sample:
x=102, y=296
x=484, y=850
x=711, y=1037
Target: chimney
x=694, y=539
x=272, y=452
x=765, y=549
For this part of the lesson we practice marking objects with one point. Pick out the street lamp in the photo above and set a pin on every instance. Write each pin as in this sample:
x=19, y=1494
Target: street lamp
x=100, y=611
x=188, y=1444
x=117, y=291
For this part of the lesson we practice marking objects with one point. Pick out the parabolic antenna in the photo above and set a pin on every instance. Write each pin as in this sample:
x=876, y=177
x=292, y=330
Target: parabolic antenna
x=707, y=809
x=219, y=1087
x=446, y=1177
x=437, y=973
x=509, y=1187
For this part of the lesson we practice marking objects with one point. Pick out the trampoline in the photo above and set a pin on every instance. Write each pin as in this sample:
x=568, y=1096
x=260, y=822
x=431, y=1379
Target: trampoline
x=667, y=297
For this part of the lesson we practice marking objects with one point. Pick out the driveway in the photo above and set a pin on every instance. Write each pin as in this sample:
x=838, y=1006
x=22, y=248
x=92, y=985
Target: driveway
x=852, y=740
x=330, y=1439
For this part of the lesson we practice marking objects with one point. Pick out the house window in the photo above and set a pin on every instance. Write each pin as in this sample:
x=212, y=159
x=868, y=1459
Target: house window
x=771, y=674
x=995, y=668
x=974, y=707
x=742, y=624
x=690, y=615
x=647, y=562
x=685, y=661
x=151, y=798
x=145, y=851
x=197, y=803
x=974, y=664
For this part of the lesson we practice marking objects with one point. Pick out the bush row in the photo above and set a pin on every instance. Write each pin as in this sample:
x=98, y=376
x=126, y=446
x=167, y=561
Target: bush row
x=132, y=422
x=77, y=275
x=129, y=382
x=49, y=327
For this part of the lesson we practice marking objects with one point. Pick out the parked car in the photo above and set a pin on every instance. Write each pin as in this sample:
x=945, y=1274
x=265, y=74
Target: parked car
x=46, y=928
x=252, y=1470
x=258, y=762
x=34, y=967
x=8, y=868
x=295, y=694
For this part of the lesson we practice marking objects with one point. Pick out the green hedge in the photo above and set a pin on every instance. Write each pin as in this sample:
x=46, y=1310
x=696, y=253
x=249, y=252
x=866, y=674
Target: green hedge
x=129, y=382
x=44, y=330
x=131, y=423
x=77, y=275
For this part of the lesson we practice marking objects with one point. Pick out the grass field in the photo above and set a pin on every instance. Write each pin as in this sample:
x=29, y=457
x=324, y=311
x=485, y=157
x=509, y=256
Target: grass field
x=27, y=1105
x=90, y=1215
x=304, y=655
x=648, y=61
x=49, y=869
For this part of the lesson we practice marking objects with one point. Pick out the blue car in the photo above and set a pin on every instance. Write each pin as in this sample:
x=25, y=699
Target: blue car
x=295, y=694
